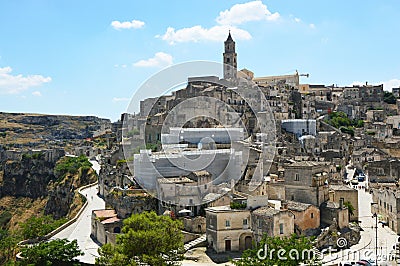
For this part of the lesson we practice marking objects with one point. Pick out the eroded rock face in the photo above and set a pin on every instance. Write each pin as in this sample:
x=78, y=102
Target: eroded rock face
x=62, y=194
x=330, y=236
x=27, y=178
x=35, y=178
x=125, y=205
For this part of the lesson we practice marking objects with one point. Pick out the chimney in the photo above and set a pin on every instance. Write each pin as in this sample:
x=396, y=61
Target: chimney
x=341, y=201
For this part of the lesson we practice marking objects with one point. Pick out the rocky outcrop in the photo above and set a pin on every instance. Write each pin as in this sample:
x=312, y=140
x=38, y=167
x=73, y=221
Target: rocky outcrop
x=36, y=130
x=27, y=177
x=127, y=202
x=63, y=196
x=338, y=238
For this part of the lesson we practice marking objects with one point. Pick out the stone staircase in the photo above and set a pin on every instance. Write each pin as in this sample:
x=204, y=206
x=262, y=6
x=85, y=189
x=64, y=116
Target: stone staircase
x=195, y=242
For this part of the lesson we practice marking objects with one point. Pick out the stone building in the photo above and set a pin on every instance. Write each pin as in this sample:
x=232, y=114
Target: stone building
x=105, y=226
x=383, y=171
x=230, y=59
x=228, y=229
x=306, y=217
x=272, y=222
x=388, y=207
x=300, y=127
x=347, y=194
x=306, y=182
x=332, y=211
x=366, y=155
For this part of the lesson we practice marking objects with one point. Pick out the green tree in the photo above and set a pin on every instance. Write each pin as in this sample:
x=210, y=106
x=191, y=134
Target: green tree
x=146, y=238
x=55, y=252
x=71, y=165
x=350, y=207
x=8, y=246
x=39, y=226
x=296, y=250
x=389, y=98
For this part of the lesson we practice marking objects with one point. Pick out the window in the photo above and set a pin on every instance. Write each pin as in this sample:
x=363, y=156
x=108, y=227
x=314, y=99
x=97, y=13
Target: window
x=281, y=229
x=296, y=177
x=244, y=221
x=312, y=215
x=191, y=201
x=227, y=223
x=259, y=223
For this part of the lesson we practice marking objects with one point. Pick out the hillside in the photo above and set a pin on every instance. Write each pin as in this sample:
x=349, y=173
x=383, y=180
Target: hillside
x=40, y=131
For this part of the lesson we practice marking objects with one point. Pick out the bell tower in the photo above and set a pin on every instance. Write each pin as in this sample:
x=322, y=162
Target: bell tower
x=230, y=59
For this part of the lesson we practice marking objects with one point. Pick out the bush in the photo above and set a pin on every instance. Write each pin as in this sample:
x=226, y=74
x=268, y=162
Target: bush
x=55, y=252
x=36, y=156
x=389, y=98
x=347, y=130
x=71, y=165
x=40, y=226
x=238, y=205
x=340, y=119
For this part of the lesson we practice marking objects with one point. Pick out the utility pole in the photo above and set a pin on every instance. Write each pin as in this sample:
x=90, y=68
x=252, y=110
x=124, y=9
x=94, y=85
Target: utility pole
x=376, y=233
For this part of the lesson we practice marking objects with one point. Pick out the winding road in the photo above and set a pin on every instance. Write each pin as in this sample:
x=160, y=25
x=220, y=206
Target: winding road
x=80, y=230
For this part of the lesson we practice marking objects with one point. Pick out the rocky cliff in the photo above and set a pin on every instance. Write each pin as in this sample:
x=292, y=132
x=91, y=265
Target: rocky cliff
x=36, y=130
x=64, y=200
x=27, y=177
x=35, y=178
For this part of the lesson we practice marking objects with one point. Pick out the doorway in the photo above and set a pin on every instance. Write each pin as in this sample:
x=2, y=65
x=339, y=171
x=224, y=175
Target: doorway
x=227, y=245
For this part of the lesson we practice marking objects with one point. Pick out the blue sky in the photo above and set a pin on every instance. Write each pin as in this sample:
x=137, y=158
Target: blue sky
x=89, y=57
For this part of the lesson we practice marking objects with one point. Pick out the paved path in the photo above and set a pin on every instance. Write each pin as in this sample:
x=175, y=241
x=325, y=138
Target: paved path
x=80, y=230
x=365, y=249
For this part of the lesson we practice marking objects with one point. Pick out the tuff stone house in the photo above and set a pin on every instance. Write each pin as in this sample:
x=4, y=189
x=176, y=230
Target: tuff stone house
x=306, y=217
x=333, y=211
x=383, y=171
x=272, y=222
x=228, y=229
x=347, y=194
x=105, y=225
x=306, y=182
x=367, y=155
x=388, y=207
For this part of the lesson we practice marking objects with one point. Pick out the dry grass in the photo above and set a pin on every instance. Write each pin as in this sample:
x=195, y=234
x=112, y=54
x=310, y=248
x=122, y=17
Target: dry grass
x=22, y=209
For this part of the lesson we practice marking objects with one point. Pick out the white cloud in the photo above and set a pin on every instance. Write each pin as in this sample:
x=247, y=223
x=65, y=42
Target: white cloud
x=312, y=26
x=116, y=99
x=390, y=84
x=387, y=85
x=13, y=84
x=226, y=20
x=160, y=59
x=241, y=13
x=197, y=33
x=297, y=20
x=134, y=24
x=37, y=93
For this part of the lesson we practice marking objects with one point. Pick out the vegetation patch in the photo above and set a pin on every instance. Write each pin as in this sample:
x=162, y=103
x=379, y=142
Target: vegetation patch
x=71, y=165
